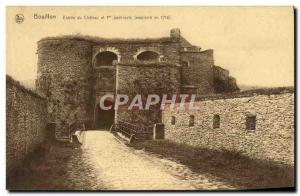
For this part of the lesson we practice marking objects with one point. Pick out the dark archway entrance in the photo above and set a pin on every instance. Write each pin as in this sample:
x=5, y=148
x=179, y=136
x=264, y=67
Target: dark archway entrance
x=104, y=118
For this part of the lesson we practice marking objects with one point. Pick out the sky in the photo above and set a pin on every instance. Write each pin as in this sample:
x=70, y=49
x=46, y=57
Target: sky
x=256, y=44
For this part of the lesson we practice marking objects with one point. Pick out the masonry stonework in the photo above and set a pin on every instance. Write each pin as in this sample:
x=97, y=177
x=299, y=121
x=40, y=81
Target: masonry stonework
x=64, y=77
x=199, y=71
x=73, y=71
x=146, y=79
x=273, y=137
x=26, y=120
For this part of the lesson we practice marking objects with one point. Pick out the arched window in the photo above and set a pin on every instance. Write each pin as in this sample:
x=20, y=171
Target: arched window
x=105, y=59
x=148, y=56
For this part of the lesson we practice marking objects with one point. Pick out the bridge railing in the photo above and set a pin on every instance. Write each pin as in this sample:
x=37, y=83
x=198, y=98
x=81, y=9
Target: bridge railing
x=77, y=126
x=129, y=130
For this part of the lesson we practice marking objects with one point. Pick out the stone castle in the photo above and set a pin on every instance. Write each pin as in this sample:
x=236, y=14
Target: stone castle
x=73, y=71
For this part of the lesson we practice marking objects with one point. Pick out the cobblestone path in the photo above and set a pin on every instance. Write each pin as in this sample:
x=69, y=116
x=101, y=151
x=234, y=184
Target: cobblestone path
x=123, y=168
x=103, y=163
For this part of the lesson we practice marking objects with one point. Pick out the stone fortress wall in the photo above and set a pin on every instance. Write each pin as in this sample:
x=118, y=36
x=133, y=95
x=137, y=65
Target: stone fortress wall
x=26, y=121
x=257, y=123
x=64, y=77
x=198, y=73
x=145, y=79
x=73, y=71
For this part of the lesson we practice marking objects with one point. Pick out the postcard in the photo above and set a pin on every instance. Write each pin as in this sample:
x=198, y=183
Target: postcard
x=150, y=98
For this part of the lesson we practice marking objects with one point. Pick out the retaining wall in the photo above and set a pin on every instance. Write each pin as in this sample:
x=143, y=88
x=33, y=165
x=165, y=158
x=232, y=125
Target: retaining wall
x=26, y=114
x=272, y=138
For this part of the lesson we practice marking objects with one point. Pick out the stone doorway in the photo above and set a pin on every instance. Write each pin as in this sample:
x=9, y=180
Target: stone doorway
x=103, y=119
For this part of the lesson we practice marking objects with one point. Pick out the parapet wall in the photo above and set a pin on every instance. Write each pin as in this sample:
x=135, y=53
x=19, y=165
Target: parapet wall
x=272, y=138
x=26, y=120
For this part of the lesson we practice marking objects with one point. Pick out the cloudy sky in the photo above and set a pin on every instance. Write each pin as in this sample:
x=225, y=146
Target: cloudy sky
x=255, y=43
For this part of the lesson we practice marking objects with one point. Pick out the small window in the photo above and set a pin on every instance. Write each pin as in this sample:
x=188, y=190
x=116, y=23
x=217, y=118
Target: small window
x=192, y=121
x=173, y=120
x=216, y=121
x=184, y=63
x=250, y=122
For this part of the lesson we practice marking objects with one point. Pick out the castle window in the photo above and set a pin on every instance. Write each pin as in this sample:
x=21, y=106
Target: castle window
x=192, y=121
x=184, y=63
x=148, y=56
x=250, y=122
x=216, y=121
x=105, y=59
x=173, y=120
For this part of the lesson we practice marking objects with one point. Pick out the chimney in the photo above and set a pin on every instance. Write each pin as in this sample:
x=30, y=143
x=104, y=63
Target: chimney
x=175, y=33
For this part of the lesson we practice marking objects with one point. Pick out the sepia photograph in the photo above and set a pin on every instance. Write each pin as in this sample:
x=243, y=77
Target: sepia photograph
x=150, y=98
